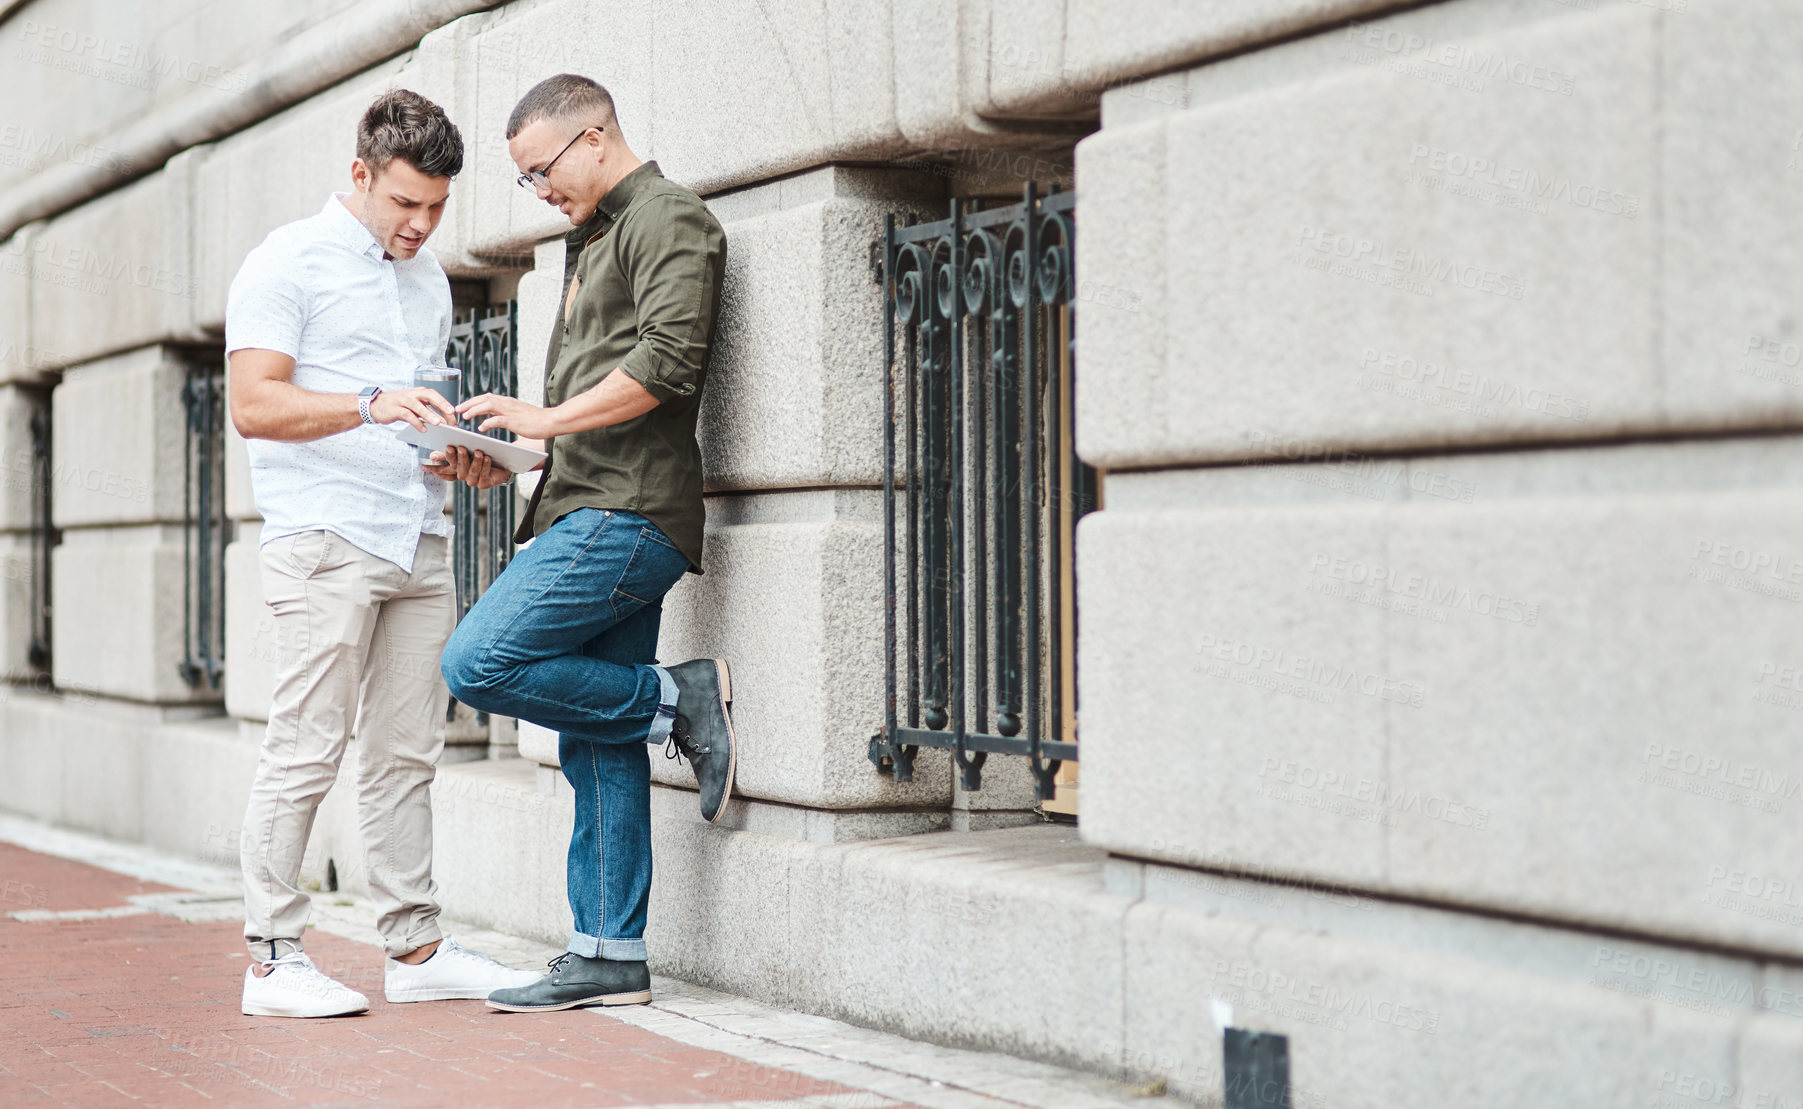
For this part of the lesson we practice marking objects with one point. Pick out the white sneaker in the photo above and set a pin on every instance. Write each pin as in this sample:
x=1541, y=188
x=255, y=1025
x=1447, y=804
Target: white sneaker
x=294, y=987
x=452, y=973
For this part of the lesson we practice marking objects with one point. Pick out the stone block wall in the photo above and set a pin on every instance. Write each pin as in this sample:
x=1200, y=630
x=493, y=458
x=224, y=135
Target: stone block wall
x=1420, y=254
x=78, y=73
x=1361, y=286
x=119, y=428
x=1443, y=366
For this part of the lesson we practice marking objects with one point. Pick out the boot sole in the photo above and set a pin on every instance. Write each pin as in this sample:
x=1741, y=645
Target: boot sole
x=637, y=997
x=732, y=737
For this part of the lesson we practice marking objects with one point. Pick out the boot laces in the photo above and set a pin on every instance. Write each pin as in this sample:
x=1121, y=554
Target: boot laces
x=681, y=743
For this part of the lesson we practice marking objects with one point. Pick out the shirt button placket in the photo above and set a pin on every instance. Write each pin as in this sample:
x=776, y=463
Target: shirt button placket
x=402, y=341
x=391, y=279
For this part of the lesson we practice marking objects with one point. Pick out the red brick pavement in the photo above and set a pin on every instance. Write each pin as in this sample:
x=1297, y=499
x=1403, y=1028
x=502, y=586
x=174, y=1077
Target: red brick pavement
x=143, y=1010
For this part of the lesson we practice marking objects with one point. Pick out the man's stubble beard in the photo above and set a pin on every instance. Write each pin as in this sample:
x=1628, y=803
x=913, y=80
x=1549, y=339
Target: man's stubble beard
x=383, y=236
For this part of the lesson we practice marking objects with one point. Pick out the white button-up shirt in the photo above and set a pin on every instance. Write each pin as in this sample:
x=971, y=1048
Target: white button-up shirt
x=320, y=291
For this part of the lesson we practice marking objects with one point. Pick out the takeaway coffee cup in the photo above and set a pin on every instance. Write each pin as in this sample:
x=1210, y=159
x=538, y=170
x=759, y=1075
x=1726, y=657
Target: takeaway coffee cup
x=444, y=380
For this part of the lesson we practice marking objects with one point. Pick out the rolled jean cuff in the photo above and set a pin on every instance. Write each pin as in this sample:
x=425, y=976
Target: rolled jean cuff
x=666, y=711
x=592, y=947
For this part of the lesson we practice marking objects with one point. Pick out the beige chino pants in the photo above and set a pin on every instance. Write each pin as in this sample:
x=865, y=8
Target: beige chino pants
x=356, y=640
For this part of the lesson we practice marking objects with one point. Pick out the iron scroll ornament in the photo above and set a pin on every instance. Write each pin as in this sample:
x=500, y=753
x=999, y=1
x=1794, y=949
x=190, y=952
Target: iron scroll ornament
x=979, y=345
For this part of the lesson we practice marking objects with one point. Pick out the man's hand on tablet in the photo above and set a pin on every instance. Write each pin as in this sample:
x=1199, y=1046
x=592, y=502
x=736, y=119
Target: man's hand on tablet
x=473, y=468
x=528, y=421
x=418, y=405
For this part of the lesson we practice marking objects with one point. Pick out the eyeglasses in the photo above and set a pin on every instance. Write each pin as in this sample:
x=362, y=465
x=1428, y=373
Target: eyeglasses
x=541, y=178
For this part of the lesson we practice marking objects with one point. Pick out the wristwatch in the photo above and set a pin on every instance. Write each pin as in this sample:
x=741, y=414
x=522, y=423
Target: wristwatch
x=364, y=396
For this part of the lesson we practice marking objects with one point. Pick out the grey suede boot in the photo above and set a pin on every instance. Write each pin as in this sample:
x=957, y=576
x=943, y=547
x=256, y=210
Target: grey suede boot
x=575, y=981
x=702, y=731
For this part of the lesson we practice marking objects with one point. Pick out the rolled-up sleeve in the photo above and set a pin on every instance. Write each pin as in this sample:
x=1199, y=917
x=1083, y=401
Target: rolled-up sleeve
x=676, y=261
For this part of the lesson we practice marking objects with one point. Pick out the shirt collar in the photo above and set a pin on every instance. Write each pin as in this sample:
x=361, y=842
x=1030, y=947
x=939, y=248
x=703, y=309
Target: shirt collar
x=583, y=233
x=628, y=189
x=349, y=227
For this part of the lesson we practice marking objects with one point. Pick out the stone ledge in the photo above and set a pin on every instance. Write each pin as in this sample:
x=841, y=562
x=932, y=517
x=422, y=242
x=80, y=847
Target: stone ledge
x=795, y=822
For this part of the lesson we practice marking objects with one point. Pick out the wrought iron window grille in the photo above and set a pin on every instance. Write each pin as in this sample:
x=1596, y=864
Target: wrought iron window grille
x=484, y=346
x=982, y=485
x=205, y=528
x=44, y=534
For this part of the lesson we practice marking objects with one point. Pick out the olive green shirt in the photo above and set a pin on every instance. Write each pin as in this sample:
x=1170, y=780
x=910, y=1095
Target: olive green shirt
x=641, y=293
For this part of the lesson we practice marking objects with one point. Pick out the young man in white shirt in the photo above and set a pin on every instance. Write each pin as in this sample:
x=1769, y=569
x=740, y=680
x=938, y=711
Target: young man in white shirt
x=325, y=324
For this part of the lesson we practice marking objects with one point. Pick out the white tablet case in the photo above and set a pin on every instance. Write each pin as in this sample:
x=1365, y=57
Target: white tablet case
x=509, y=456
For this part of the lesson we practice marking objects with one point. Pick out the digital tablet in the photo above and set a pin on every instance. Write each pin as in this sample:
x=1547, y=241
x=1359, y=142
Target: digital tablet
x=511, y=457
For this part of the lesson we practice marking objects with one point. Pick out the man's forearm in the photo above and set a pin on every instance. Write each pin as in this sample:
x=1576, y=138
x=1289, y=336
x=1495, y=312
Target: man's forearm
x=615, y=399
x=287, y=413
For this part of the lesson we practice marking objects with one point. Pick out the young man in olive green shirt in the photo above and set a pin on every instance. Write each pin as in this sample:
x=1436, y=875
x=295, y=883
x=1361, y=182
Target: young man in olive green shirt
x=566, y=637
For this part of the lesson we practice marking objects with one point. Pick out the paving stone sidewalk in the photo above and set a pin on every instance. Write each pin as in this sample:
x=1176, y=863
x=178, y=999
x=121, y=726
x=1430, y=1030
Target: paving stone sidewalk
x=120, y=972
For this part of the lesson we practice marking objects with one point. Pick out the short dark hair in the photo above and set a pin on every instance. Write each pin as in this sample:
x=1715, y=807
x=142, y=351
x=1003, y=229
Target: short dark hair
x=566, y=97
x=405, y=125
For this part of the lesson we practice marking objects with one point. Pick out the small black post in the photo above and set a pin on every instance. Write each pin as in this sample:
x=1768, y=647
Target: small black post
x=1255, y=1068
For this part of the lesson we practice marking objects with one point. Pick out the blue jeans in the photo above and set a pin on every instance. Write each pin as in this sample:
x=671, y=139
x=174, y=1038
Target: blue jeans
x=566, y=638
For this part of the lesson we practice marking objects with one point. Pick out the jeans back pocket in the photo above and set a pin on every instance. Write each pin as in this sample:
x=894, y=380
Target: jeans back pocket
x=654, y=567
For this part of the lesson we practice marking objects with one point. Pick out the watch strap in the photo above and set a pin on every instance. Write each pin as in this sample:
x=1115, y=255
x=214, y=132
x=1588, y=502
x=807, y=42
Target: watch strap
x=364, y=398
